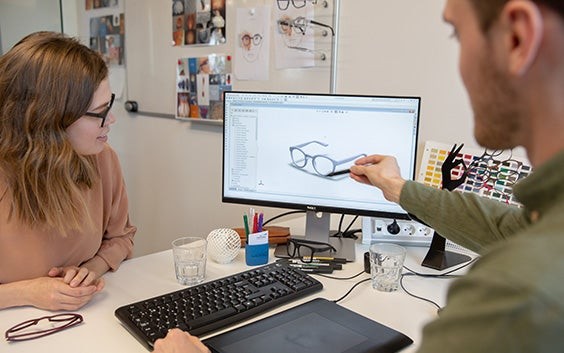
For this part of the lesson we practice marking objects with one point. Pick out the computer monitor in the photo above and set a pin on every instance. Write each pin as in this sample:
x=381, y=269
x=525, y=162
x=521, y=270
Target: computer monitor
x=282, y=150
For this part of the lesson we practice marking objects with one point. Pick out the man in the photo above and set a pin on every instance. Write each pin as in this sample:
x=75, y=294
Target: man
x=511, y=62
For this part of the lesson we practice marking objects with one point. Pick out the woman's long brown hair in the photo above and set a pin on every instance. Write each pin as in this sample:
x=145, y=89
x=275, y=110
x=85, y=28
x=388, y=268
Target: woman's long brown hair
x=47, y=82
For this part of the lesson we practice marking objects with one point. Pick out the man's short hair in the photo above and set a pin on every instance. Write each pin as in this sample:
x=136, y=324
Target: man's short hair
x=488, y=10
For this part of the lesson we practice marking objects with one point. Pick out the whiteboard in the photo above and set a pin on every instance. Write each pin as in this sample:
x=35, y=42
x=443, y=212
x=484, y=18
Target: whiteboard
x=151, y=56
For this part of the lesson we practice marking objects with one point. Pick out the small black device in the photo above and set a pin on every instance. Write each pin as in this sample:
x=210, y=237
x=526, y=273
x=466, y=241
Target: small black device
x=319, y=325
x=367, y=262
x=131, y=106
x=213, y=305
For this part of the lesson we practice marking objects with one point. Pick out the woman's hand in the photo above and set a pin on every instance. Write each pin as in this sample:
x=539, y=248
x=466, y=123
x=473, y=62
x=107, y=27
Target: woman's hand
x=53, y=293
x=74, y=276
x=84, y=275
x=178, y=341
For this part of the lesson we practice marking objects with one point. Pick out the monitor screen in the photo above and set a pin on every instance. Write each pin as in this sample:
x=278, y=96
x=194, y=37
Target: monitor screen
x=287, y=149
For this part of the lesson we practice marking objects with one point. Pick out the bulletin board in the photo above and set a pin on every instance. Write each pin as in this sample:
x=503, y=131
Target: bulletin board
x=152, y=54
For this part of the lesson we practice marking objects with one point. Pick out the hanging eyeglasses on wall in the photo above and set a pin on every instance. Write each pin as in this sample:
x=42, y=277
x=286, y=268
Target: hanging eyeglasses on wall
x=283, y=5
x=300, y=24
x=303, y=33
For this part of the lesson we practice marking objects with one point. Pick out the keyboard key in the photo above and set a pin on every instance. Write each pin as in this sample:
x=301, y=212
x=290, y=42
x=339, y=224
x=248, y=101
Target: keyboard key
x=211, y=318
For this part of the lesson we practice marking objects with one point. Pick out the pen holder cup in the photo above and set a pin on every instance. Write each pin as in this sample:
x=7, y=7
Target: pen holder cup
x=256, y=250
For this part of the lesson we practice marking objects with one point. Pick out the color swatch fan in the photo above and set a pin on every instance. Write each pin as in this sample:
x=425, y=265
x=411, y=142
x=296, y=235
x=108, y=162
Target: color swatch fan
x=490, y=173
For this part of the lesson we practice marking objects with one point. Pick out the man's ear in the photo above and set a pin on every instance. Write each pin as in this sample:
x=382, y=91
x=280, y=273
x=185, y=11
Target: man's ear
x=523, y=23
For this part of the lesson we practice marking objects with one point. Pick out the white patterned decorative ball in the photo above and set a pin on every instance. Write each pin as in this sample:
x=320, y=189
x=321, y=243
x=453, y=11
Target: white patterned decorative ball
x=223, y=245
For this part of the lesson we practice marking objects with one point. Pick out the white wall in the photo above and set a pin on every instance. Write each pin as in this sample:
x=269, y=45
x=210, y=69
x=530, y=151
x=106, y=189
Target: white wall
x=21, y=17
x=403, y=47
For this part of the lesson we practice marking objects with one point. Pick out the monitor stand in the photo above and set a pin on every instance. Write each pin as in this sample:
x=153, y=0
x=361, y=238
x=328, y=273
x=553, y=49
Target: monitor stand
x=438, y=258
x=317, y=229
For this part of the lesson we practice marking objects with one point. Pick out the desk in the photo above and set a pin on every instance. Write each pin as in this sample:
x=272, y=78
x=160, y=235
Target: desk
x=152, y=275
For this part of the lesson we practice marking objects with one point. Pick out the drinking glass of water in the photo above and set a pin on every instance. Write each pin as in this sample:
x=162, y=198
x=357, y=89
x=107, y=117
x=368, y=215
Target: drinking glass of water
x=190, y=259
x=386, y=264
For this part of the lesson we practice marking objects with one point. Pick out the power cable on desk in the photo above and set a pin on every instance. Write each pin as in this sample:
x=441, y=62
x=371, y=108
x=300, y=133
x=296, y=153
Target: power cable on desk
x=416, y=296
x=412, y=273
x=350, y=290
x=345, y=278
x=440, y=275
x=340, y=278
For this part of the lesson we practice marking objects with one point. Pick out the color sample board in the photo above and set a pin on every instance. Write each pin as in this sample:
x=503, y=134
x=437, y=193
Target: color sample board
x=491, y=174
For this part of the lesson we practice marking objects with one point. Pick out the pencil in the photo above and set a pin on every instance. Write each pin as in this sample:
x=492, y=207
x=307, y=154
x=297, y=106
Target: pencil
x=340, y=172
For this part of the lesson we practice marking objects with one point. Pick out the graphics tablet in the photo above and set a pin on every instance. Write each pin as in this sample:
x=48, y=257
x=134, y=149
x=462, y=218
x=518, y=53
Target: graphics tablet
x=316, y=326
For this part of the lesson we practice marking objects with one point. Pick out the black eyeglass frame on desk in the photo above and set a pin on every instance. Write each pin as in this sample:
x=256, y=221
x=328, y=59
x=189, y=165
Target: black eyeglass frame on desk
x=293, y=246
x=68, y=320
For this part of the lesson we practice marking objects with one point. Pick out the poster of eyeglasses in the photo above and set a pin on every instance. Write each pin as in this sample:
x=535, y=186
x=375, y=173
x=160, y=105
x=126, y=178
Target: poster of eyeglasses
x=200, y=83
x=252, y=52
x=296, y=32
x=198, y=22
x=489, y=173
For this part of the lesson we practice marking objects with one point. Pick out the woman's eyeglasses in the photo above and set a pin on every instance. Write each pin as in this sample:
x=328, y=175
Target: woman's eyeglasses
x=31, y=329
x=306, y=248
x=104, y=114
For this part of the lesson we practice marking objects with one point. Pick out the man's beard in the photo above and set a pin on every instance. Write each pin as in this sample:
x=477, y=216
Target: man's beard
x=498, y=117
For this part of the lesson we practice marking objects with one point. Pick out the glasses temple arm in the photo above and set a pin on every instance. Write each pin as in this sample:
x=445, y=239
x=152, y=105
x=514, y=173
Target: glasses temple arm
x=349, y=159
x=321, y=54
x=313, y=141
x=322, y=25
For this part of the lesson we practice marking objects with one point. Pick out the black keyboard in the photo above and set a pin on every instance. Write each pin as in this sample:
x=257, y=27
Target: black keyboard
x=213, y=305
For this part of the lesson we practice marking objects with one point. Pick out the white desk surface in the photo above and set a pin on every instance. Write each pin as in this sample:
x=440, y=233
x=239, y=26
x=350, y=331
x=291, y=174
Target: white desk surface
x=152, y=275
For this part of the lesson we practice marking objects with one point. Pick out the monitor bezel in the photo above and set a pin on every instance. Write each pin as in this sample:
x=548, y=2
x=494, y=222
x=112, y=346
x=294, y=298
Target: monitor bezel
x=308, y=207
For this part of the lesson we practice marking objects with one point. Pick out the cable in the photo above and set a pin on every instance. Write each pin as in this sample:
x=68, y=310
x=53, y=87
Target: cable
x=412, y=273
x=339, y=233
x=349, y=227
x=445, y=274
x=416, y=296
x=282, y=215
x=352, y=233
x=441, y=275
x=339, y=278
x=345, y=233
x=350, y=290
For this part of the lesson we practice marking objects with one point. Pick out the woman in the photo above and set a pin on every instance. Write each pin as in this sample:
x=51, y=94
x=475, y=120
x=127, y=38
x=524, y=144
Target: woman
x=63, y=206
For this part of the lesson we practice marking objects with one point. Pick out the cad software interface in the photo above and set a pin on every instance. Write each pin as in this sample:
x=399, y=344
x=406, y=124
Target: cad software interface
x=284, y=148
